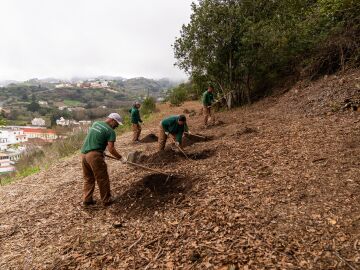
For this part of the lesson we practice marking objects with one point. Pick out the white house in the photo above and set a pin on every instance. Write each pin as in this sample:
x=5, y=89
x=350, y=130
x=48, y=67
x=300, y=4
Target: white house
x=38, y=122
x=95, y=85
x=66, y=122
x=3, y=144
x=15, y=154
x=79, y=84
x=11, y=136
x=104, y=84
x=64, y=85
x=85, y=122
x=5, y=163
x=44, y=103
x=47, y=135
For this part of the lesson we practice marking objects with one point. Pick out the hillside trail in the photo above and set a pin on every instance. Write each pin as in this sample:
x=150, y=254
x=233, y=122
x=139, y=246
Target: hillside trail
x=277, y=185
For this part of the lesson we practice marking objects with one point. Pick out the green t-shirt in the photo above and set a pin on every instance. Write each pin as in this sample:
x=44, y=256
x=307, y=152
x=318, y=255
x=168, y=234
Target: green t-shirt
x=207, y=98
x=135, y=116
x=98, y=137
x=172, y=126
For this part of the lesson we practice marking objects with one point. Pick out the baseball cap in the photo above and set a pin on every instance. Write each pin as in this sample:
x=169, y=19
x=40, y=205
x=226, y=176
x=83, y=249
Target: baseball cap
x=116, y=117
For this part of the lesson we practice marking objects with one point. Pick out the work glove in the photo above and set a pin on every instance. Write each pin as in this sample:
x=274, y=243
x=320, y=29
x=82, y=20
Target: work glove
x=189, y=132
x=167, y=133
x=123, y=160
x=177, y=144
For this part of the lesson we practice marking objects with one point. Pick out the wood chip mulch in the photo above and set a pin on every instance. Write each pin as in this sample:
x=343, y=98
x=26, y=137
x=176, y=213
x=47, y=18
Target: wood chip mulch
x=276, y=187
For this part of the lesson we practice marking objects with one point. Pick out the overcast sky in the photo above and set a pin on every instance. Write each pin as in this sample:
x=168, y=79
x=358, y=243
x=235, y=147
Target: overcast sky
x=66, y=38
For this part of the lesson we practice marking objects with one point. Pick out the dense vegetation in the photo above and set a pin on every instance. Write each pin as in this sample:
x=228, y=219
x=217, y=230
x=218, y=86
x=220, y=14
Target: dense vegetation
x=246, y=47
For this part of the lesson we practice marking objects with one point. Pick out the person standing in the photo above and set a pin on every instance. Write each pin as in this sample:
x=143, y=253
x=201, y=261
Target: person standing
x=135, y=121
x=173, y=126
x=101, y=136
x=207, y=100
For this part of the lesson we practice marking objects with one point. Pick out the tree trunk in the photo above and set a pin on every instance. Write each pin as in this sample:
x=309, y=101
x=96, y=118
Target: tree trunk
x=248, y=90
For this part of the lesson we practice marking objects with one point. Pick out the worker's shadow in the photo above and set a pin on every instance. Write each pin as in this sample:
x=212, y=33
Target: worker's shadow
x=152, y=193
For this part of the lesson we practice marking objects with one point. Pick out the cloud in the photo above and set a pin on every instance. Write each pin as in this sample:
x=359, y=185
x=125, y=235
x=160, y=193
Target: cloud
x=65, y=38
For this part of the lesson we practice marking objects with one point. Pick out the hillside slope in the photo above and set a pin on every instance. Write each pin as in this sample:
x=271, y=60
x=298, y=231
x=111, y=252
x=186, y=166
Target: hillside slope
x=277, y=186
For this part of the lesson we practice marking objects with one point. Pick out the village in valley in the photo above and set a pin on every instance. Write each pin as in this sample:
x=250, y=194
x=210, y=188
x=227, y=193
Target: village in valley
x=17, y=140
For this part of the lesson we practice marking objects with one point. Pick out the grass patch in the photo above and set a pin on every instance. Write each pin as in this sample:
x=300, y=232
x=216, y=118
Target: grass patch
x=72, y=102
x=19, y=175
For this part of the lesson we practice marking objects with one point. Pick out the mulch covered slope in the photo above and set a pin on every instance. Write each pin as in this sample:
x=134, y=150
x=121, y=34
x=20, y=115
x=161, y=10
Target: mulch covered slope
x=276, y=187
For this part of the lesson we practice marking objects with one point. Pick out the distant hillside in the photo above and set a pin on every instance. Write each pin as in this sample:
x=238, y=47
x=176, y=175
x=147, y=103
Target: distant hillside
x=121, y=90
x=144, y=86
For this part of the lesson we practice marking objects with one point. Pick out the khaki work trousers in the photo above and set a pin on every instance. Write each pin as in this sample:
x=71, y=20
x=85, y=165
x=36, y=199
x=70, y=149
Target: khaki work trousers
x=136, y=129
x=95, y=170
x=163, y=138
x=208, y=112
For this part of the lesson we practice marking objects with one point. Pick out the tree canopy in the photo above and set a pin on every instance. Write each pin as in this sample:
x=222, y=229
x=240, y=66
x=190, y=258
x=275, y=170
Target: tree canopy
x=245, y=46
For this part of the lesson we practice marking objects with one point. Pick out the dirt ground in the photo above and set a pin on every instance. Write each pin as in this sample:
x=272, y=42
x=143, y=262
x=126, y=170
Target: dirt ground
x=276, y=186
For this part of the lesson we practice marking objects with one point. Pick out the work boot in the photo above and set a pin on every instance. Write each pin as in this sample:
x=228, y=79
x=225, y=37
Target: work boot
x=109, y=202
x=89, y=203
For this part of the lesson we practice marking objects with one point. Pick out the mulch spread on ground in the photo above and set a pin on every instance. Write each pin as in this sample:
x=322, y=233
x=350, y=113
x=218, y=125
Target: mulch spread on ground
x=277, y=187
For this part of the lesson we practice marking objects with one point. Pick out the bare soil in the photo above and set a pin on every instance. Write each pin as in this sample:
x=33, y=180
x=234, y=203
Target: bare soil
x=277, y=187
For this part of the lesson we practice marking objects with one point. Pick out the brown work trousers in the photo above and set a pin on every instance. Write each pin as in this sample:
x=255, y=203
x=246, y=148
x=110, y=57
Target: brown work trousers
x=163, y=138
x=208, y=112
x=136, y=129
x=95, y=170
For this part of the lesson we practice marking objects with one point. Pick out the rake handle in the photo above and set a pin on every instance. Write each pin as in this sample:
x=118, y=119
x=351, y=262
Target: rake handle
x=197, y=135
x=182, y=151
x=138, y=165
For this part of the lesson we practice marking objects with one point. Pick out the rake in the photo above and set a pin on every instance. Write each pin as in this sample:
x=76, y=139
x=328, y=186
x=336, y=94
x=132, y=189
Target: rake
x=142, y=166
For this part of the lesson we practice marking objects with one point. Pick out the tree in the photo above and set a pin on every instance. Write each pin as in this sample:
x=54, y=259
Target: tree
x=24, y=97
x=181, y=93
x=57, y=114
x=13, y=115
x=33, y=106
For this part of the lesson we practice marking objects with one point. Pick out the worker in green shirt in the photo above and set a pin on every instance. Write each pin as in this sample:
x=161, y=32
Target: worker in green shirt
x=173, y=126
x=135, y=121
x=101, y=135
x=207, y=100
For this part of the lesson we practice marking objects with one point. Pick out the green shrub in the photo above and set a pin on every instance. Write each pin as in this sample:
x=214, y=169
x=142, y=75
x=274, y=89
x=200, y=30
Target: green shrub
x=2, y=121
x=148, y=106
